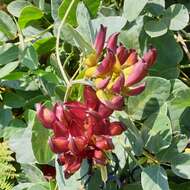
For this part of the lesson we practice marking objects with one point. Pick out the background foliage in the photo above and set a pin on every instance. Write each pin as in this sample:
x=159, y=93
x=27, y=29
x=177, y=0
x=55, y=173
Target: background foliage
x=153, y=153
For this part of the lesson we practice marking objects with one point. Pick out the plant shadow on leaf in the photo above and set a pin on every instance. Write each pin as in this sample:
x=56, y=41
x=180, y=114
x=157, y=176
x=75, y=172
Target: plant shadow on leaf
x=184, y=122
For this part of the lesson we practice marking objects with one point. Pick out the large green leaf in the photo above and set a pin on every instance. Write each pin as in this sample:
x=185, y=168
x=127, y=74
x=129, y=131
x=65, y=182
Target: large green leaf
x=8, y=68
x=131, y=36
x=30, y=58
x=179, y=16
x=159, y=132
x=15, y=7
x=13, y=100
x=179, y=111
x=113, y=23
x=155, y=7
x=84, y=22
x=148, y=102
x=155, y=28
x=154, y=177
x=29, y=14
x=32, y=173
x=132, y=8
x=5, y=117
x=40, y=145
x=8, y=53
x=7, y=26
x=181, y=165
x=132, y=132
x=166, y=64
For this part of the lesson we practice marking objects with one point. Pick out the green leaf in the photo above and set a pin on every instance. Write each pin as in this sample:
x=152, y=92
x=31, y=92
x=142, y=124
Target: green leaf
x=155, y=28
x=8, y=53
x=80, y=41
x=40, y=145
x=71, y=19
x=132, y=132
x=54, y=8
x=33, y=174
x=182, y=99
x=131, y=36
x=159, y=132
x=155, y=7
x=7, y=26
x=148, y=102
x=113, y=23
x=179, y=16
x=92, y=6
x=179, y=111
x=45, y=45
x=15, y=7
x=132, y=8
x=30, y=58
x=5, y=117
x=154, y=177
x=8, y=68
x=20, y=143
x=181, y=165
x=166, y=63
x=13, y=100
x=84, y=22
x=29, y=14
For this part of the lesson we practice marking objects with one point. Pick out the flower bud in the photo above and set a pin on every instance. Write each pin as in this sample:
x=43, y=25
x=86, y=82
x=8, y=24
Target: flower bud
x=139, y=71
x=112, y=42
x=58, y=144
x=118, y=83
x=46, y=116
x=100, y=40
x=90, y=72
x=77, y=144
x=91, y=60
x=122, y=54
x=104, y=111
x=133, y=91
x=116, y=128
x=132, y=59
x=101, y=83
x=99, y=157
x=104, y=143
x=107, y=64
x=150, y=56
x=90, y=98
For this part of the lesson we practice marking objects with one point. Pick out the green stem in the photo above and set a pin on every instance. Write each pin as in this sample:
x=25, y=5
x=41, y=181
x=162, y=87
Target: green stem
x=128, y=150
x=185, y=66
x=57, y=43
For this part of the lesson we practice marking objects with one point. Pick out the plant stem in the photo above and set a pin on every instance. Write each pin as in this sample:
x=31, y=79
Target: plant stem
x=128, y=150
x=57, y=44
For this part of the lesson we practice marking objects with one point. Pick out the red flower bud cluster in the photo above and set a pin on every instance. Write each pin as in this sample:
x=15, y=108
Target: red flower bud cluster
x=81, y=130
x=119, y=72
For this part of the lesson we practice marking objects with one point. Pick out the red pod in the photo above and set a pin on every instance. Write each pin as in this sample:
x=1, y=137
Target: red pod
x=112, y=42
x=100, y=40
x=59, y=144
x=45, y=116
x=116, y=128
